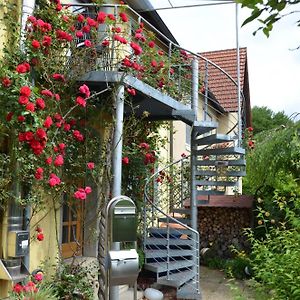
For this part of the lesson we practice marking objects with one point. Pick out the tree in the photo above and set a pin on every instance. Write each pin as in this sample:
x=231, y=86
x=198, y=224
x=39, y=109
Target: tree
x=268, y=12
x=263, y=118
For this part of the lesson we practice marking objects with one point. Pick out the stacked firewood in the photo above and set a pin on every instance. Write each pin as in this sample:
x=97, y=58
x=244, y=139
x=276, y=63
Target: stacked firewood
x=221, y=227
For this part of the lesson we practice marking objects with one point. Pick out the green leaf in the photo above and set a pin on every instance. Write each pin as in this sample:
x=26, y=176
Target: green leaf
x=255, y=14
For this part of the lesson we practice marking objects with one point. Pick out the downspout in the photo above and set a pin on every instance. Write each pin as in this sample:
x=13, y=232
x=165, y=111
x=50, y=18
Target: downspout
x=27, y=10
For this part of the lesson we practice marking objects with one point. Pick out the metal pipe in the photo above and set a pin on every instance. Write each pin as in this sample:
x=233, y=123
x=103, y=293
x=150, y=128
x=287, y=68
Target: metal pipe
x=195, y=86
x=206, y=91
x=27, y=10
x=117, y=164
x=238, y=73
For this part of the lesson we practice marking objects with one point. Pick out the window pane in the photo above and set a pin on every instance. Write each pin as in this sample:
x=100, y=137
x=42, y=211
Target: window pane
x=73, y=233
x=65, y=213
x=65, y=234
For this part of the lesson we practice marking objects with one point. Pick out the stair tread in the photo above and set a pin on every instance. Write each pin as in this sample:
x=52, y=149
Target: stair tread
x=202, y=127
x=184, y=211
x=173, y=242
x=152, y=253
x=173, y=231
x=209, y=192
x=212, y=139
x=176, y=279
x=215, y=183
x=220, y=151
x=189, y=291
x=214, y=162
x=182, y=220
x=225, y=174
x=159, y=267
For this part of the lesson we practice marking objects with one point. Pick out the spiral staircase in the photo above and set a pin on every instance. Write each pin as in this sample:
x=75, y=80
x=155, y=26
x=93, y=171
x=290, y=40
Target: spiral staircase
x=172, y=194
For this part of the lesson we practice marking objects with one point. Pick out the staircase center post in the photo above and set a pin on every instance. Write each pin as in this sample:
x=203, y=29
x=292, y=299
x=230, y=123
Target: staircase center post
x=195, y=108
x=117, y=164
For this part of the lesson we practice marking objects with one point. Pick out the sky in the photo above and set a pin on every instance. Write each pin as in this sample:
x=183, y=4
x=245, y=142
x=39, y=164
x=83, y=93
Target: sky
x=272, y=66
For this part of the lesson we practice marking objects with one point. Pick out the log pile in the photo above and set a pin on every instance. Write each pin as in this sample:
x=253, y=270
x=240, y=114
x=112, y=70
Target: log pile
x=221, y=227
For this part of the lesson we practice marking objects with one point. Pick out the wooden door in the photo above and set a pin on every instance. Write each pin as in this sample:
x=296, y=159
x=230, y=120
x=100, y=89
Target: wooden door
x=72, y=230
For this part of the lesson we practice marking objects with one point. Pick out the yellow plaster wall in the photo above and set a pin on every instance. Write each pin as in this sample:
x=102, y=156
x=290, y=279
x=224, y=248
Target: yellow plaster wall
x=48, y=249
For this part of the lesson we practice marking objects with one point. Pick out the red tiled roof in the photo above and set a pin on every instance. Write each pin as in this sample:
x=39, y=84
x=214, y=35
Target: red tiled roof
x=222, y=88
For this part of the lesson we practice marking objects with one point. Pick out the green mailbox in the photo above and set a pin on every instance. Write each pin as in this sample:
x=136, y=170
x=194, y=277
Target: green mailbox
x=124, y=222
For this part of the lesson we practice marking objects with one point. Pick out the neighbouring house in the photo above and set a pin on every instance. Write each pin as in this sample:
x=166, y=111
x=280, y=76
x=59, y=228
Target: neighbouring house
x=133, y=66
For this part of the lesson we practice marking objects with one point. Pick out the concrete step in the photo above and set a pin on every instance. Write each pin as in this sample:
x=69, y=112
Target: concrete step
x=159, y=267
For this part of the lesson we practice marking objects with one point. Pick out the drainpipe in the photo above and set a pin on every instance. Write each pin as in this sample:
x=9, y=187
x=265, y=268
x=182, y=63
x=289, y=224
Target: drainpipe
x=27, y=10
x=117, y=166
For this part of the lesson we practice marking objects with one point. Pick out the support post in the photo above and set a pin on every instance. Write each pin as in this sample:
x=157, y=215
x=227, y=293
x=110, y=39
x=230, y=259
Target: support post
x=238, y=73
x=195, y=108
x=117, y=165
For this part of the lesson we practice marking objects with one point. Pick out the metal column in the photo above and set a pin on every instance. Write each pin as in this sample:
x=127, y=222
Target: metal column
x=117, y=164
x=195, y=104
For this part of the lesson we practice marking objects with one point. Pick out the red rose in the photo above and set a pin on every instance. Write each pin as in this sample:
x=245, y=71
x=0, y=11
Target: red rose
x=90, y=165
x=144, y=146
x=136, y=48
x=151, y=44
x=57, y=97
x=23, y=100
x=80, y=101
x=29, y=135
x=21, y=118
x=59, y=160
x=67, y=127
x=38, y=229
x=250, y=129
x=58, y=77
x=18, y=288
x=40, y=103
x=47, y=40
x=35, y=44
x=78, y=136
x=125, y=160
x=40, y=236
x=25, y=91
x=86, y=29
x=49, y=160
x=88, y=43
x=79, y=34
x=105, y=43
x=80, y=18
x=131, y=91
x=111, y=17
x=47, y=93
x=123, y=16
x=57, y=117
x=39, y=173
x=91, y=22
x=58, y=7
x=41, y=134
x=9, y=116
x=48, y=122
x=38, y=277
x=6, y=82
x=84, y=89
x=23, y=68
x=88, y=189
x=101, y=17
x=80, y=194
x=62, y=146
x=30, y=107
x=53, y=180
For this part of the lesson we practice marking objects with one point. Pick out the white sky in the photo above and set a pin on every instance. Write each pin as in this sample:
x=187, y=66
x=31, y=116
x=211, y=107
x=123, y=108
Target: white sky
x=274, y=70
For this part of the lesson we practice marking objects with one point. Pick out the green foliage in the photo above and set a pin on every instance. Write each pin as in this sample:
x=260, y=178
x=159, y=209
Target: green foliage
x=263, y=118
x=268, y=12
x=273, y=177
x=73, y=281
x=236, y=267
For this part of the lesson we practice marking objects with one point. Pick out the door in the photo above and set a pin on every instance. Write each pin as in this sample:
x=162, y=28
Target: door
x=72, y=230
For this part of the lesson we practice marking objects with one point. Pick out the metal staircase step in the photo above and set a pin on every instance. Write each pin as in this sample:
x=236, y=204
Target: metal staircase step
x=225, y=174
x=220, y=151
x=176, y=279
x=233, y=162
x=161, y=253
x=183, y=211
x=202, y=202
x=159, y=267
x=172, y=231
x=212, y=139
x=202, y=127
x=187, y=116
x=210, y=192
x=173, y=242
x=182, y=220
x=215, y=183
x=189, y=291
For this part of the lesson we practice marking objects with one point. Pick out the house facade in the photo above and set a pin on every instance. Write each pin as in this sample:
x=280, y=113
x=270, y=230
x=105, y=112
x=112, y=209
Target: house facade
x=133, y=51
